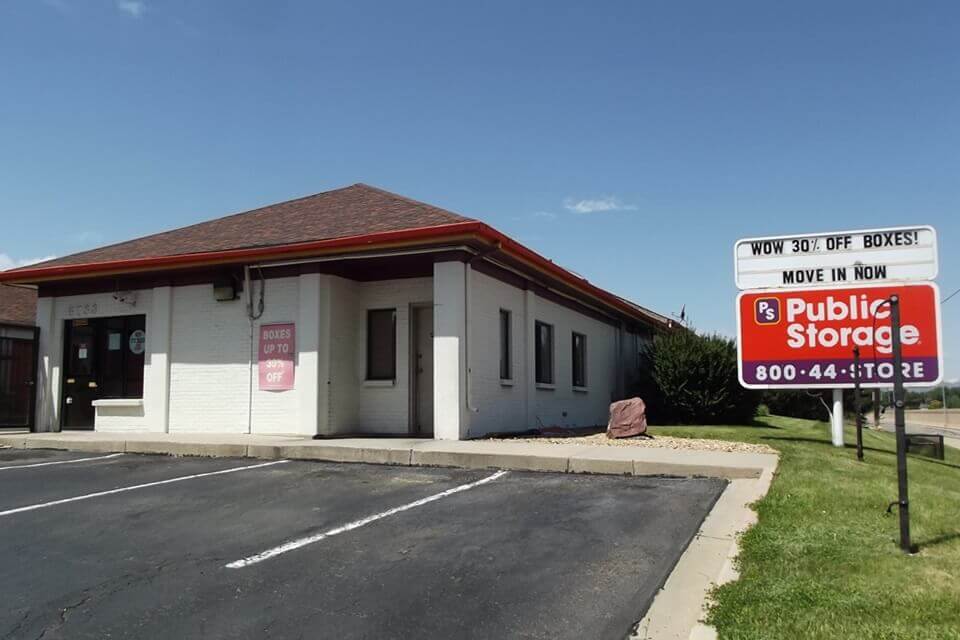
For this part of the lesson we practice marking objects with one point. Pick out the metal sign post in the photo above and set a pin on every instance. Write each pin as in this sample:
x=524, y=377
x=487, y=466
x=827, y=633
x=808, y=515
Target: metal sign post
x=900, y=423
x=856, y=402
x=836, y=419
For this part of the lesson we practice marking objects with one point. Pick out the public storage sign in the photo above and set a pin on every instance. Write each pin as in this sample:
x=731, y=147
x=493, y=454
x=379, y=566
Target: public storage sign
x=276, y=356
x=805, y=337
x=873, y=256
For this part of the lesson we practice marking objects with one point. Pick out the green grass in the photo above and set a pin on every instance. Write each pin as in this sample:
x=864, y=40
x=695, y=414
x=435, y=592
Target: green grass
x=823, y=561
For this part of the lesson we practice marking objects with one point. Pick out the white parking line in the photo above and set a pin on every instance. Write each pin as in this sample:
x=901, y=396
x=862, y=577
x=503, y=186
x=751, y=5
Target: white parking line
x=43, y=505
x=356, y=524
x=47, y=464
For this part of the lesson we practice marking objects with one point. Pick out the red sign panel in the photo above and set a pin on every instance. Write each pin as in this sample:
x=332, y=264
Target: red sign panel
x=805, y=337
x=276, y=359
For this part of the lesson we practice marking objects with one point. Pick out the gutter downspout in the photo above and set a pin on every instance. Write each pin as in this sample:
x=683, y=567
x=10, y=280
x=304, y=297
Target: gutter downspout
x=252, y=316
x=468, y=295
x=467, y=305
x=246, y=287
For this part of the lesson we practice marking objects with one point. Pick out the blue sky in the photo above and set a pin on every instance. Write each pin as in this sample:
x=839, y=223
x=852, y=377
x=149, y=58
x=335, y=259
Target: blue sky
x=632, y=142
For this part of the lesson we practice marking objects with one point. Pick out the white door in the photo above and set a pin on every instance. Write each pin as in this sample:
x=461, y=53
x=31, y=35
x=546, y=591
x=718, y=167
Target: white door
x=423, y=348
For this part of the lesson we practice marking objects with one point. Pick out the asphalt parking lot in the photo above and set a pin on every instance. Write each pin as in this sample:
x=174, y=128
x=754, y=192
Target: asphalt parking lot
x=131, y=546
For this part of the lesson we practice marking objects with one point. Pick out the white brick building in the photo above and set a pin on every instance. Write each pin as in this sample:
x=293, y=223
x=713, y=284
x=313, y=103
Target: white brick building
x=402, y=319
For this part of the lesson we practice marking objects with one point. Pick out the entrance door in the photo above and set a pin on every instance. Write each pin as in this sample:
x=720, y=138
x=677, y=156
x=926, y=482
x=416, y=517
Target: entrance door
x=103, y=358
x=18, y=373
x=79, y=375
x=423, y=378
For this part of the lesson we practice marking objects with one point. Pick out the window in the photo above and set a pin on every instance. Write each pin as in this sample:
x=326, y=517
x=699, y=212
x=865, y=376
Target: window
x=544, y=353
x=579, y=342
x=108, y=353
x=381, y=344
x=120, y=353
x=506, y=339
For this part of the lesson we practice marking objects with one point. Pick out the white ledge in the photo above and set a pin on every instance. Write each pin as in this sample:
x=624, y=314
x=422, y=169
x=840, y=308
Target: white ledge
x=549, y=386
x=506, y=382
x=581, y=389
x=118, y=402
x=379, y=383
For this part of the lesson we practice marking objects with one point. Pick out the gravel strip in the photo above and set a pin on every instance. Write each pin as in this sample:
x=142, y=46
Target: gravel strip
x=657, y=442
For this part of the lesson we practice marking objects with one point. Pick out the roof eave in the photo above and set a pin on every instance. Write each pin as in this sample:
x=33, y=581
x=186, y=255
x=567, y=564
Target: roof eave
x=446, y=232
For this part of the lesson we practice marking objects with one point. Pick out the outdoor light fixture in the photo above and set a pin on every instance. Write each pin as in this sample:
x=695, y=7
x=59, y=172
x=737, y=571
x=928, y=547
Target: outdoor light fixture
x=226, y=288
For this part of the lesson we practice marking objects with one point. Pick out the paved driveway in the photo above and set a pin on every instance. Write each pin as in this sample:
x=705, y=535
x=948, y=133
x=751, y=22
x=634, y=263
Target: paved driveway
x=126, y=546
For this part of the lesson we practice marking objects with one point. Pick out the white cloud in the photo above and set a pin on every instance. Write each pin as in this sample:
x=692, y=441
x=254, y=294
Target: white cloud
x=544, y=214
x=135, y=8
x=6, y=262
x=597, y=205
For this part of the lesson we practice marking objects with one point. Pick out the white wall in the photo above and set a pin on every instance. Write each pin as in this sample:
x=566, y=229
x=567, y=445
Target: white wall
x=451, y=418
x=344, y=378
x=525, y=405
x=500, y=405
x=210, y=369
x=203, y=382
x=386, y=408
x=52, y=313
x=197, y=365
x=562, y=405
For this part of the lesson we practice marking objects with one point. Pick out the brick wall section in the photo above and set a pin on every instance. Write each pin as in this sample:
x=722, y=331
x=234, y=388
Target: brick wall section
x=209, y=366
x=386, y=409
x=502, y=407
x=344, y=337
x=562, y=406
x=210, y=360
x=91, y=306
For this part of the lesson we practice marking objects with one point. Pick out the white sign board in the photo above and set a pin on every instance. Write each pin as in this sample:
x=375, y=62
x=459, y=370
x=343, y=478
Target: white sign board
x=900, y=254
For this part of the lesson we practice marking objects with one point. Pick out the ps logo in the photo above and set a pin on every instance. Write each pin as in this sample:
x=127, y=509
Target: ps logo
x=767, y=310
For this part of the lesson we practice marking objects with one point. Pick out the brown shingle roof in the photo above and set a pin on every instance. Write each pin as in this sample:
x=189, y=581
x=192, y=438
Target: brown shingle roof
x=18, y=304
x=347, y=218
x=351, y=211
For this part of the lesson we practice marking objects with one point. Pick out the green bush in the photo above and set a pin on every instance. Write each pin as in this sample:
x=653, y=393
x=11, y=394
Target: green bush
x=935, y=404
x=694, y=381
x=763, y=410
x=798, y=403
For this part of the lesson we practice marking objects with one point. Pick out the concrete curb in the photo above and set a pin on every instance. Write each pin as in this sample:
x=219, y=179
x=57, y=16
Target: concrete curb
x=556, y=458
x=709, y=560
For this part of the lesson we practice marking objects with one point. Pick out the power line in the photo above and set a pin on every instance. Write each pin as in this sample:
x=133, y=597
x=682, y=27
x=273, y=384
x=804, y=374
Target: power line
x=950, y=296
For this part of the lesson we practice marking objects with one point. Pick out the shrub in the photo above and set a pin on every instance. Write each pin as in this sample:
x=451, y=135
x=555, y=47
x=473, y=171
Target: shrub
x=935, y=404
x=694, y=381
x=797, y=403
x=763, y=410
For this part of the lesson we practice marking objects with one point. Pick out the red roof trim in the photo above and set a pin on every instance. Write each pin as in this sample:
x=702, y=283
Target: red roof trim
x=35, y=274
x=28, y=274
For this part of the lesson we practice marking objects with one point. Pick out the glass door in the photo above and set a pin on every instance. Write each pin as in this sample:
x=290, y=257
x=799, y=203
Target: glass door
x=80, y=387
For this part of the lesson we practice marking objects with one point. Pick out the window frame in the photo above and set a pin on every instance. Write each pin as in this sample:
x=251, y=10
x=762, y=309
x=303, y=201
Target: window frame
x=123, y=378
x=506, y=345
x=581, y=366
x=369, y=373
x=538, y=358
